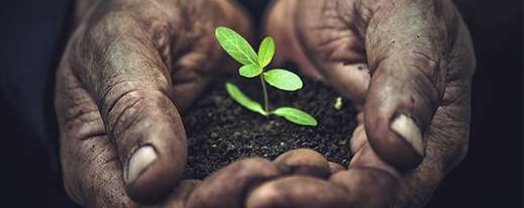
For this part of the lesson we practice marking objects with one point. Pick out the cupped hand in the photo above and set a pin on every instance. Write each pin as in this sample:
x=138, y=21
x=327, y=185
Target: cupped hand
x=128, y=68
x=410, y=65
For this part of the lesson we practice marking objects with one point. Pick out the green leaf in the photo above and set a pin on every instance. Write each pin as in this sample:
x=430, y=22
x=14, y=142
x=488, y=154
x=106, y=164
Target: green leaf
x=296, y=116
x=266, y=51
x=283, y=79
x=236, y=46
x=243, y=100
x=250, y=71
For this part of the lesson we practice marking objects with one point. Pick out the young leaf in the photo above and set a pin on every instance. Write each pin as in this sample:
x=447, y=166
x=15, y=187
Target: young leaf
x=236, y=46
x=296, y=116
x=250, y=71
x=243, y=100
x=266, y=51
x=283, y=79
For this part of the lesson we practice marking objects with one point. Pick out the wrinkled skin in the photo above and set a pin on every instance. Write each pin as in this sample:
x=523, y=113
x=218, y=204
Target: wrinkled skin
x=128, y=69
x=408, y=61
x=131, y=66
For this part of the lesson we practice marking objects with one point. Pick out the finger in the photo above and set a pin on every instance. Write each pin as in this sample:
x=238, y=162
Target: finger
x=447, y=146
x=303, y=162
x=411, y=188
x=358, y=139
x=298, y=191
x=367, y=187
x=335, y=168
x=364, y=156
x=447, y=137
x=178, y=197
x=405, y=44
x=447, y=140
x=334, y=45
x=370, y=181
x=91, y=170
x=228, y=187
x=367, y=158
x=121, y=60
x=448, y=134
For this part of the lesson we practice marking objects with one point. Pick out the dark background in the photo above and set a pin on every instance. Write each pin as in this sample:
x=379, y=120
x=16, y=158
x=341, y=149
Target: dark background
x=32, y=35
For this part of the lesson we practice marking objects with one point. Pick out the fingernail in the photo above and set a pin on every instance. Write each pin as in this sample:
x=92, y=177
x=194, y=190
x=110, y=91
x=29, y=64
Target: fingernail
x=139, y=162
x=408, y=129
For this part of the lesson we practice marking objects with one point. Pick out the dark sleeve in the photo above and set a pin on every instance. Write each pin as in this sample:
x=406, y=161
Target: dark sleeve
x=255, y=8
x=31, y=39
x=496, y=110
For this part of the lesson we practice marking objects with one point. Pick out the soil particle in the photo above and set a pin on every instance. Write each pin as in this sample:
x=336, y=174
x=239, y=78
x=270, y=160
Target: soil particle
x=220, y=131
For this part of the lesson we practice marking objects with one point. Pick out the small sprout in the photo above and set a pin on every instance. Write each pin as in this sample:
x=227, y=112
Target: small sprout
x=283, y=79
x=236, y=46
x=296, y=116
x=253, y=65
x=243, y=100
x=250, y=71
x=266, y=51
x=338, y=103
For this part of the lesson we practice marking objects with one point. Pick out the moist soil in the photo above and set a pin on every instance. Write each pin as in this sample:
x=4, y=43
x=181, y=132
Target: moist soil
x=220, y=131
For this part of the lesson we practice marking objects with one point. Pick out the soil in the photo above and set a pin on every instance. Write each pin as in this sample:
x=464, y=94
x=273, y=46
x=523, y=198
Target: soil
x=220, y=131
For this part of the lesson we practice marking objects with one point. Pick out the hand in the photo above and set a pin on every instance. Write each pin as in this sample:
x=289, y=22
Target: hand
x=410, y=64
x=125, y=67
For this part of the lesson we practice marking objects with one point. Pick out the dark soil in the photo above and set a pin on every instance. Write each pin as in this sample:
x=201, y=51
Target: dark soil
x=220, y=131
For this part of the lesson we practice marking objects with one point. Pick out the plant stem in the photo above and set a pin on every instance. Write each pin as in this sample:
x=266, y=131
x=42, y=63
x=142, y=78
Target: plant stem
x=264, y=91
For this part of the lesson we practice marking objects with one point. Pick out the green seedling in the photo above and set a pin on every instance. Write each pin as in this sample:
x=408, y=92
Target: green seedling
x=253, y=65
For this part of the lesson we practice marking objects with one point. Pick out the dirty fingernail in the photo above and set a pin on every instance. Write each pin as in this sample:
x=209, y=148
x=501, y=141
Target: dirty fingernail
x=139, y=161
x=405, y=127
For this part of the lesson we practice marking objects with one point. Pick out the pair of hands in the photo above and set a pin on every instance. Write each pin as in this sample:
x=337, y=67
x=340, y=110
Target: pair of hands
x=408, y=63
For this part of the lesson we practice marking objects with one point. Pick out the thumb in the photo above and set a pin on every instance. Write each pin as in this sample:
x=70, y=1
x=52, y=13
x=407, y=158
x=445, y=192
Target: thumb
x=405, y=46
x=123, y=69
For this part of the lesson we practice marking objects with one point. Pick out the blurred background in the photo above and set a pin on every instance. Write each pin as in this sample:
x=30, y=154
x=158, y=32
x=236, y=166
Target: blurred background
x=33, y=34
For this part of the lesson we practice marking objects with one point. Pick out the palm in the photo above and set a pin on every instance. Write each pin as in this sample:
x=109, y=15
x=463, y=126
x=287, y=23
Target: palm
x=127, y=71
x=395, y=59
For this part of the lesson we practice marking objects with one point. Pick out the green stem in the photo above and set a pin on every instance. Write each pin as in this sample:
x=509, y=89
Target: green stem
x=264, y=91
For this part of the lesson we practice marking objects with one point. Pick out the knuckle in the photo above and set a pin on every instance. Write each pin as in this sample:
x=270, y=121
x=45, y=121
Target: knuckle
x=297, y=191
x=303, y=162
x=122, y=110
x=123, y=106
x=226, y=188
x=430, y=71
x=335, y=167
x=367, y=187
x=252, y=171
x=255, y=164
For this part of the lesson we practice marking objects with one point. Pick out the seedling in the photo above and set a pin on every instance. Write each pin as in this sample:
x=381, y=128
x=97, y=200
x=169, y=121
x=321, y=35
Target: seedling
x=253, y=65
